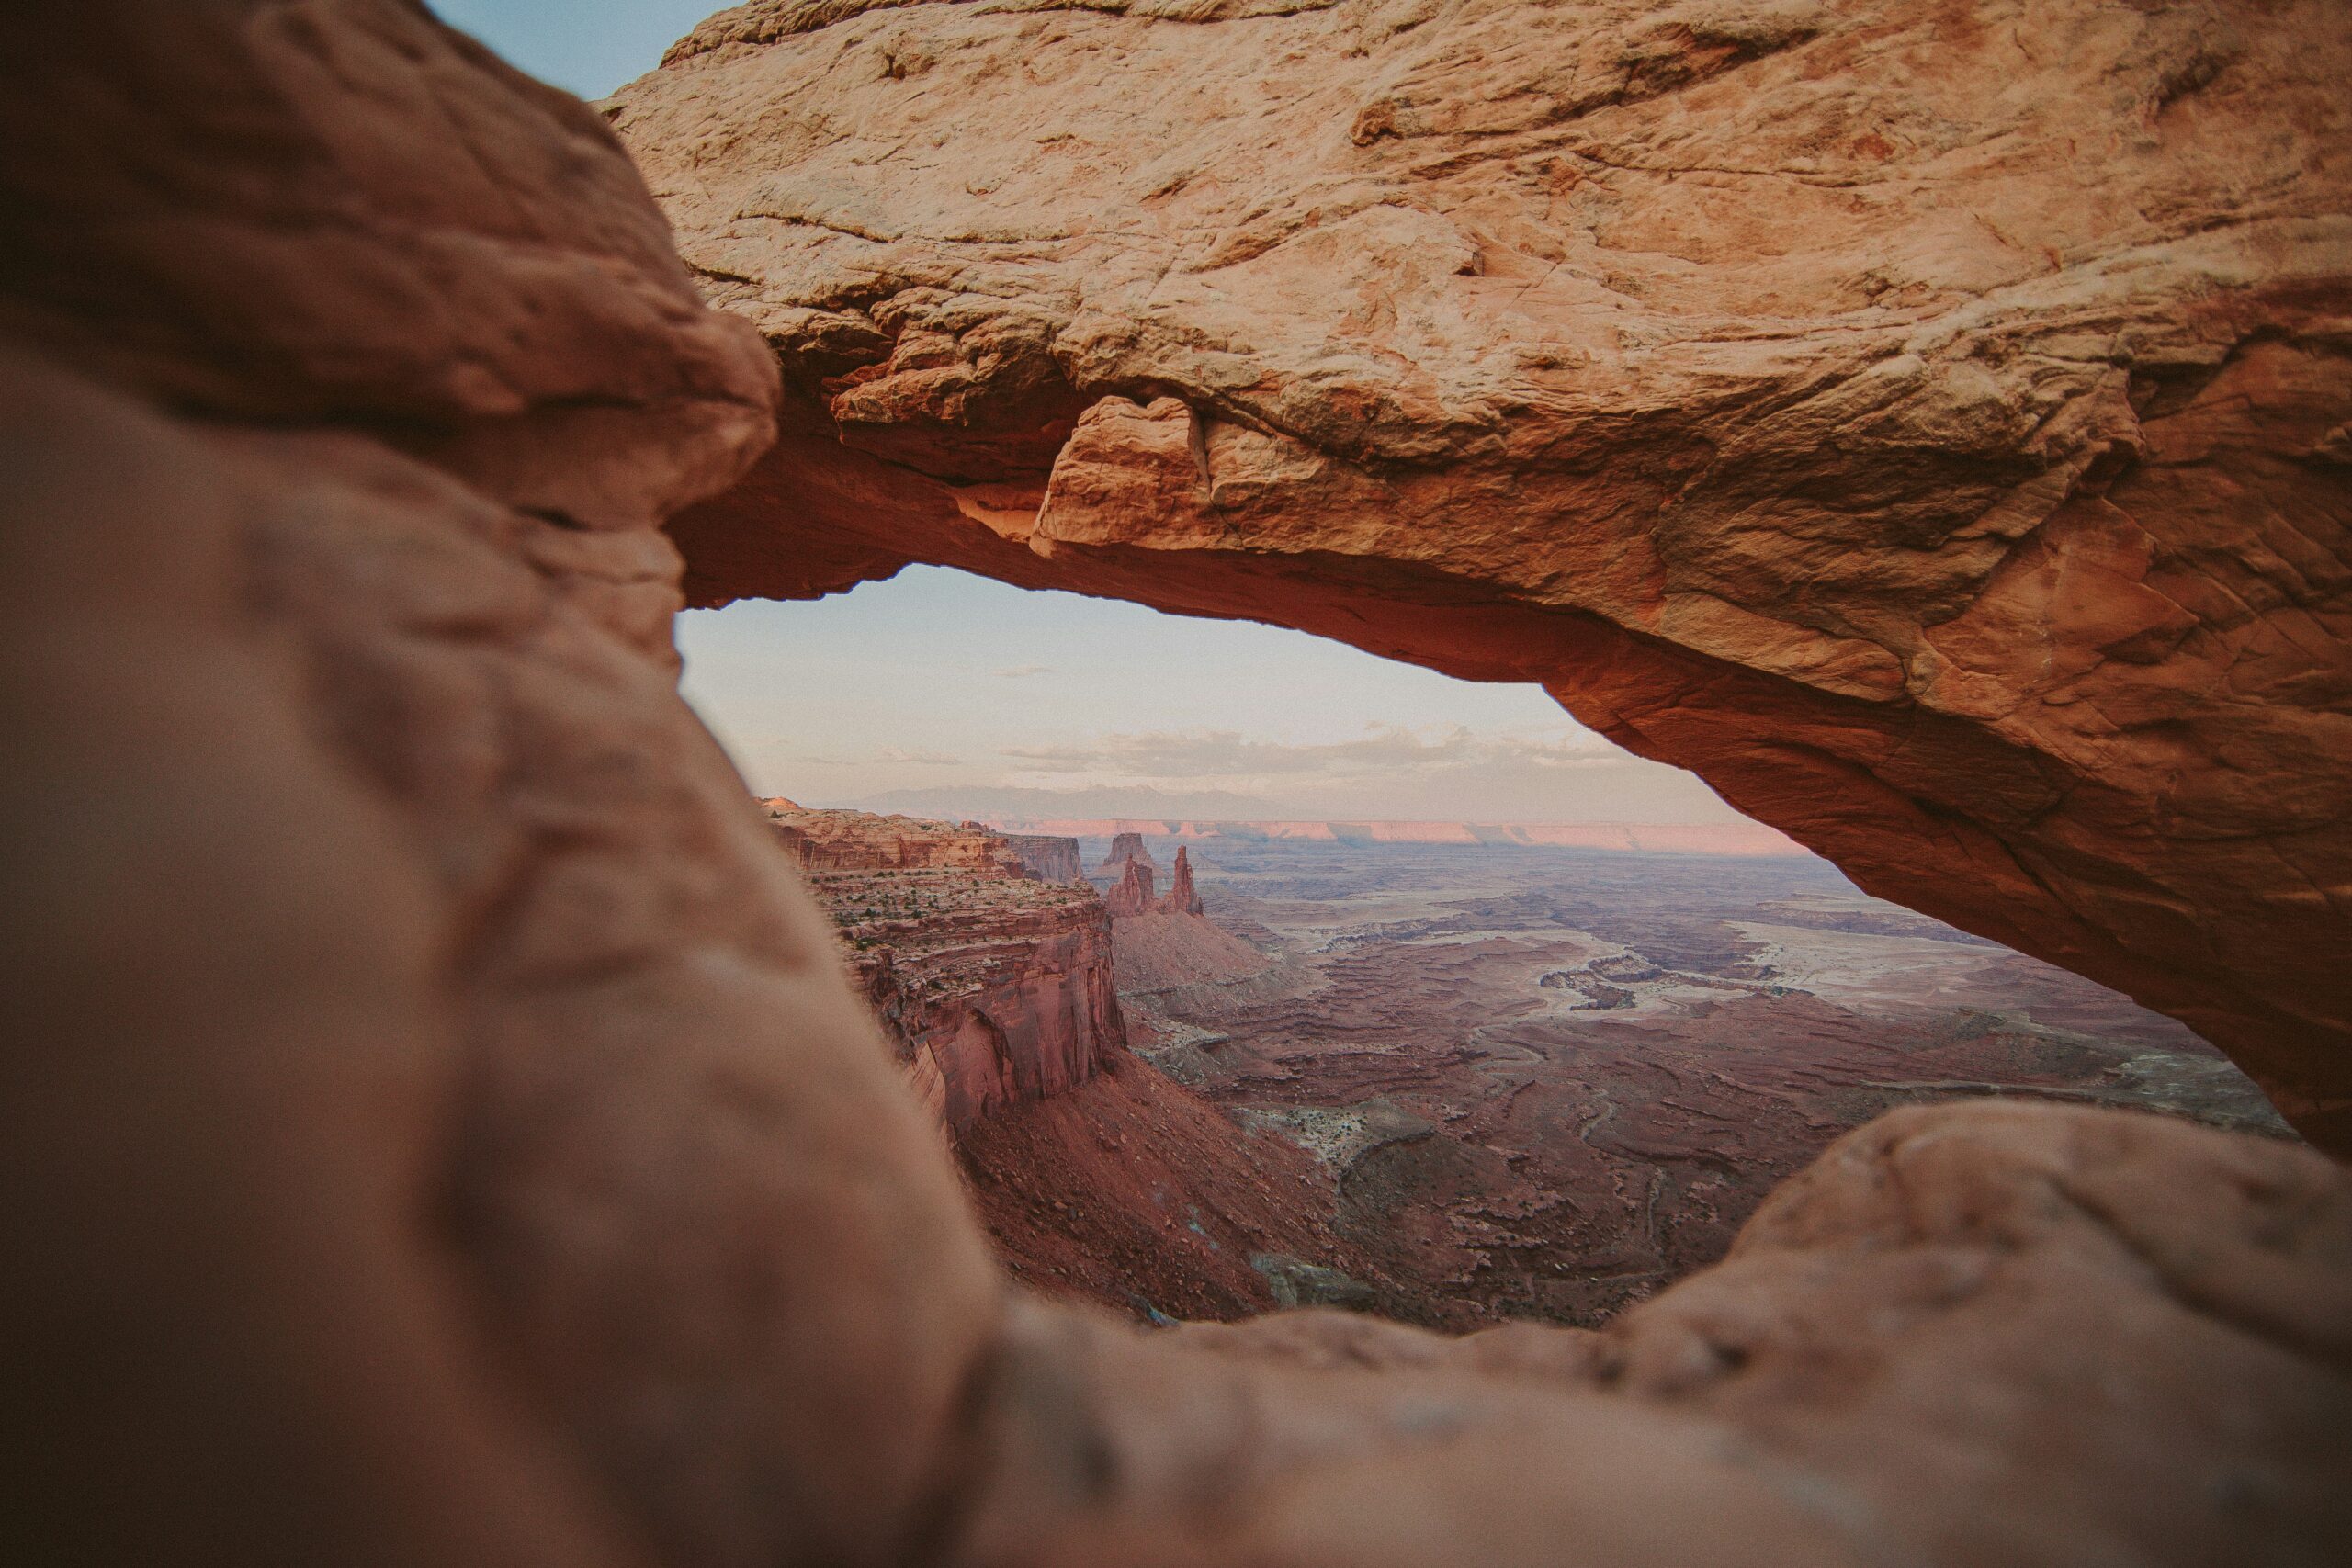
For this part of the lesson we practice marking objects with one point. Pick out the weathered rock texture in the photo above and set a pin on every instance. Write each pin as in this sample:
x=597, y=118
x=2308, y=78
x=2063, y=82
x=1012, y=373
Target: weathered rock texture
x=859, y=840
x=438, y=1130
x=1125, y=847
x=441, y=1130
x=822, y=840
x=1926, y=421
x=995, y=987
x=1048, y=857
x=1183, y=898
x=1133, y=895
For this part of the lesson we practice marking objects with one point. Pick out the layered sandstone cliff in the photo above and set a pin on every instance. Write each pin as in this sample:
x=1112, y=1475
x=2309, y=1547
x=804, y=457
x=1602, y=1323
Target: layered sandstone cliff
x=860, y=841
x=440, y=1131
x=1048, y=857
x=994, y=985
x=1929, y=421
x=998, y=995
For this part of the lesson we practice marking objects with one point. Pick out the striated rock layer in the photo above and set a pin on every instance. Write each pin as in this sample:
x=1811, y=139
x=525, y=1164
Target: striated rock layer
x=1098, y=1179
x=996, y=987
x=822, y=840
x=1048, y=857
x=1929, y=421
x=438, y=1127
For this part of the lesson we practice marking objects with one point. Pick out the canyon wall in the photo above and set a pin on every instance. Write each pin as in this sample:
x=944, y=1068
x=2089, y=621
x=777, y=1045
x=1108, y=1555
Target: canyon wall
x=1126, y=844
x=859, y=840
x=439, y=1130
x=1098, y=1179
x=996, y=1008
x=994, y=985
x=855, y=840
x=1928, y=422
x=1049, y=857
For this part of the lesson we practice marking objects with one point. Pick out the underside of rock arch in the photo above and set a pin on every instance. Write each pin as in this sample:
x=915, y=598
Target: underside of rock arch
x=1926, y=423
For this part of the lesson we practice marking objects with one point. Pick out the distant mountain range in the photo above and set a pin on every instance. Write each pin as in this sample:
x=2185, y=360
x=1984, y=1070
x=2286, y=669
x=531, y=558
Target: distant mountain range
x=1666, y=838
x=1211, y=813
x=986, y=803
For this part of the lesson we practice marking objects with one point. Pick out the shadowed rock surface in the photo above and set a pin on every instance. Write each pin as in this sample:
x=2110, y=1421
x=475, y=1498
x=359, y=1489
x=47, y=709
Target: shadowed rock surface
x=1928, y=422
x=441, y=1134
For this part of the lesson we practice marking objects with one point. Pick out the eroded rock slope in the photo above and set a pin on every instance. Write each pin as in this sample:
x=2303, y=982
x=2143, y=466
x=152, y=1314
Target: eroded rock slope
x=1926, y=421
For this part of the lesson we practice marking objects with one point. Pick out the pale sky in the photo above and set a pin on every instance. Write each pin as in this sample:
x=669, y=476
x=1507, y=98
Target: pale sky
x=588, y=47
x=937, y=680
x=938, y=691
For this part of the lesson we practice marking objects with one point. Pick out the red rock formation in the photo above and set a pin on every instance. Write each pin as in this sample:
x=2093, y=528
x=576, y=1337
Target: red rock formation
x=486, y=1094
x=999, y=996
x=860, y=840
x=1926, y=421
x=1183, y=898
x=852, y=840
x=439, y=1131
x=993, y=1003
x=1127, y=846
x=996, y=989
x=1133, y=894
x=1048, y=857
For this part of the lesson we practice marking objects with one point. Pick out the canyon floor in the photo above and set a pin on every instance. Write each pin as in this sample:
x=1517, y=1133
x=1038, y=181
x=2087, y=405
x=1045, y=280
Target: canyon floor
x=1542, y=1083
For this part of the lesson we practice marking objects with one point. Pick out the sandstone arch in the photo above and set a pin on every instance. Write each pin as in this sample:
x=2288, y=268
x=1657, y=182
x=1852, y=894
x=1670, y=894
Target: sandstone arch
x=439, y=1132
x=1926, y=423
